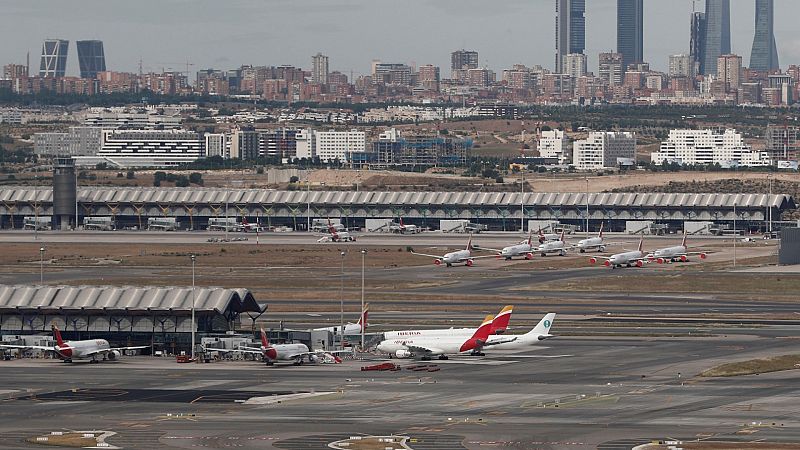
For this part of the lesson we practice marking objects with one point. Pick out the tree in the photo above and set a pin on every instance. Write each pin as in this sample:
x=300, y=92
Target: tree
x=196, y=178
x=131, y=175
x=182, y=181
x=158, y=177
x=294, y=179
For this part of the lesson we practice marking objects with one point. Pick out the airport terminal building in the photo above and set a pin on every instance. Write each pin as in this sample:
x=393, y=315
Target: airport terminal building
x=192, y=209
x=158, y=317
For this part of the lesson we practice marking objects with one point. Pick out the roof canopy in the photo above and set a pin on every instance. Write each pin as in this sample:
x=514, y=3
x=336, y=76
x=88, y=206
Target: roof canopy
x=135, y=300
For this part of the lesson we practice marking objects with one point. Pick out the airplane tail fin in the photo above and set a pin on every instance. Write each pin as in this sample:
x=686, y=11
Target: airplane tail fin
x=683, y=243
x=57, y=335
x=500, y=322
x=601, y=229
x=530, y=238
x=469, y=243
x=641, y=243
x=483, y=331
x=362, y=321
x=543, y=327
x=562, y=236
x=264, y=340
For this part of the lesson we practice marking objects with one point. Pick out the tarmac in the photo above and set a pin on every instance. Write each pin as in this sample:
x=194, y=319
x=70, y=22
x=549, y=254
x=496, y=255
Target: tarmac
x=570, y=393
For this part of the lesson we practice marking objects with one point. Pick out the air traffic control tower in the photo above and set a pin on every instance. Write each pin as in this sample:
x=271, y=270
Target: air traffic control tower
x=65, y=193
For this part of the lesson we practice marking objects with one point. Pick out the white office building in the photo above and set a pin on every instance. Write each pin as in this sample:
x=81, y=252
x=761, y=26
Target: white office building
x=575, y=65
x=704, y=147
x=218, y=144
x=330, y=145
x=147, y=148
x=131, y=120
x=682, y=66
x=604, y=149
x=555, y=144
x=78, y=141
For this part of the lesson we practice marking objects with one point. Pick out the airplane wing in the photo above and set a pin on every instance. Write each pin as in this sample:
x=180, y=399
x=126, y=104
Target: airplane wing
x=505, y=340
x=429, y=256
x=122, y=349
x=29, y=347
x=424, y=350
x=480, y=257
x=478, y=247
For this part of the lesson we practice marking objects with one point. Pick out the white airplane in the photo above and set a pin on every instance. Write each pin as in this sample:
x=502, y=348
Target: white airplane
x=558, y=246
x=499, y=326
x=461, y=256
x=539, y=333
x=335, y=235
x=636, y=258
x=86, y=349
x=524, y=249
x=295, y=353
x=674, y=254
x=441, y=346
x=593, y=243
x=404, y=229
x=248, y=227
x=350, y=329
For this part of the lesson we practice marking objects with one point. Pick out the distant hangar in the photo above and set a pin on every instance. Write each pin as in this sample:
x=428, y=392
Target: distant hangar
x=195, y=206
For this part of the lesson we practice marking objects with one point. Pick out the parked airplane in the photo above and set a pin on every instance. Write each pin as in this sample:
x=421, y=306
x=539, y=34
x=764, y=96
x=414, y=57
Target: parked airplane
x=248, y=227
x=524, y=249
x=674, y=254
x=461, y=256
x=558, y=246
x=335, y=235
x=594, y=243
x=441, y=346
x=539, y=333
x=404, y=229
x=350, y=329
x=499, y=326
x=297, y=353
x=636, y=258
x=85, y=349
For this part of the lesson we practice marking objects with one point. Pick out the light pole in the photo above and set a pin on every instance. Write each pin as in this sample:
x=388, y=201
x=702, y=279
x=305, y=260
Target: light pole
x=308, y=204
x=41, y=265
x=735, y=234
x=769, y=205
x=363, y=261
x=341, y=304
x=194, y=328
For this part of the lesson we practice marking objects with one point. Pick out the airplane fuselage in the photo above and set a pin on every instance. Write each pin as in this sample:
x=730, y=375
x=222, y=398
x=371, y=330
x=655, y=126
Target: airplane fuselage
x=624, y=259
x=283, y=352
x=552, y=247
x=517, y=250
x=591, y=244
x=82, y=349
x=456, y=258
x=670, y=252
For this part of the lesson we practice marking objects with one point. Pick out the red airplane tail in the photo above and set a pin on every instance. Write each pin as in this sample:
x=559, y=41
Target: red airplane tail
x=469, y=243
x=57, y=335
x=683, y=243
x=362, y=321
x=480, y=336
x=264, y=340
x=562, y=236
x=601, y=229
x=501, y=320
x=641, y=244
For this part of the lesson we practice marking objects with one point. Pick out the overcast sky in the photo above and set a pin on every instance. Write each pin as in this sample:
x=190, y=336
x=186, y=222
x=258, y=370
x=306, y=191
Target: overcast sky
x=224, y=34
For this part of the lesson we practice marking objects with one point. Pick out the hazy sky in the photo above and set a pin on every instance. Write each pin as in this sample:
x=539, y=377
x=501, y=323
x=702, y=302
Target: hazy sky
x=224, y=34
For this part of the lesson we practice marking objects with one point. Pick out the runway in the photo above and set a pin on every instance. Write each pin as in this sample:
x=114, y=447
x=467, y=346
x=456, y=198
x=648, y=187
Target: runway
x=573, y=392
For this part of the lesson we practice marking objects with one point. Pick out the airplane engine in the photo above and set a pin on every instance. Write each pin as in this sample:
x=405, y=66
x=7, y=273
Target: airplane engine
x=403, y=354
x=592, y=260
x=639, y=263
x=684, y=258
x=470, y=263
x=113, y=355
x=529, y=256
x=607, y=263
x=703, y=256
x=660, y=260
x=438, y=262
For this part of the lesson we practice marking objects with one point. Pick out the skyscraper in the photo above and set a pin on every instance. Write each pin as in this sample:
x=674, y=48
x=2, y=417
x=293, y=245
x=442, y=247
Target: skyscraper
x=319, y=69
x=630, y=31
x=764, y=55
x=54, y=58
x=463, y=59
x=718, y=34
x=91, y=58
x=698, y=41
x=570, y=29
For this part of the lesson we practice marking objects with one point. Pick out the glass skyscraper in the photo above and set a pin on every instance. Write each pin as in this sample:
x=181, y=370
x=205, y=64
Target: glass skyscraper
x=717, y=40
x=54, y=58
x=630, y=31
x=764, y=55
x=91, y=58
x=570, y=29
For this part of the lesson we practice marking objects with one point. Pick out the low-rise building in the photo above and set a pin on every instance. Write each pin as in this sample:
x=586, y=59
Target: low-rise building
x=704, y=147
x=555, y=144
x=604, y=149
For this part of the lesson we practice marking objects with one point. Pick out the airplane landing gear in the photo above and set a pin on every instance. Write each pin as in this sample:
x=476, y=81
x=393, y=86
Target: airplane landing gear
x=443, y=357
x=425, y=358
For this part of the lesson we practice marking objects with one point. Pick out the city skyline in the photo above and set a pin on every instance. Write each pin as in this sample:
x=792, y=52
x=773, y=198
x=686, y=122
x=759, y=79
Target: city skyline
x=227, y=43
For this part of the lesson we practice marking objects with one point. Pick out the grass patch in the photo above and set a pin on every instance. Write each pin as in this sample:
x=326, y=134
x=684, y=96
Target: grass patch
x=754, y=366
